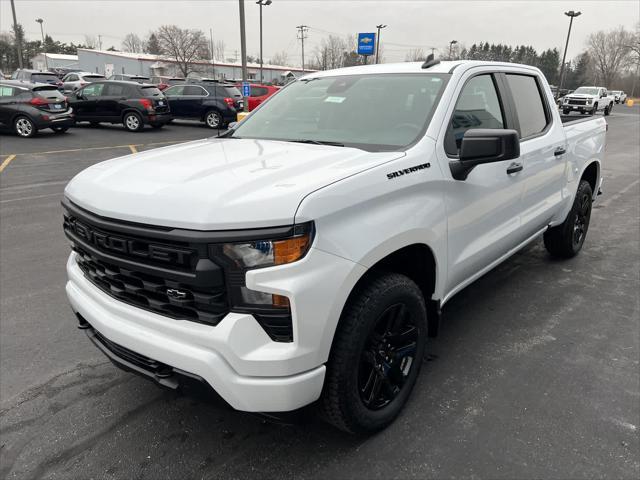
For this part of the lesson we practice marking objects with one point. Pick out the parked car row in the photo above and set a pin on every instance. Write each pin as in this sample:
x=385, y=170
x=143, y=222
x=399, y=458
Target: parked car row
x=26, y=107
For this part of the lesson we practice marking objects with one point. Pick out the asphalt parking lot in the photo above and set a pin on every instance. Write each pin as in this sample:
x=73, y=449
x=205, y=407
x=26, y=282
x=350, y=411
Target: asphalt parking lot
x=535, y=372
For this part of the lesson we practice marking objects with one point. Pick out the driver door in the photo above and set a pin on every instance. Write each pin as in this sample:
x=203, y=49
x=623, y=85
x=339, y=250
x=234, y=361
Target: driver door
x=484, y=209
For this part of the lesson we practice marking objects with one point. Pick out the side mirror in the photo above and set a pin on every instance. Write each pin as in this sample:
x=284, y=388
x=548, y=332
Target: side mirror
x=78, y=95
x=484, y=146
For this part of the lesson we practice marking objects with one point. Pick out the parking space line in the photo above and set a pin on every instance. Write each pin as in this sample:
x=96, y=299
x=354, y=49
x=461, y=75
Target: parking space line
x=32, y=197
x=72, y=150
x=133, y=149
x=6, y=162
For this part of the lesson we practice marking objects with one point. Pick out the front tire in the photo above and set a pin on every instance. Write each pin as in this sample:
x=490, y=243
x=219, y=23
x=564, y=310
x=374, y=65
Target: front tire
x=376, y=355
x=24, y=127
x=594, y=109
x=566, y=240
x=607, y=110
x=566, y=111
x=132, y=122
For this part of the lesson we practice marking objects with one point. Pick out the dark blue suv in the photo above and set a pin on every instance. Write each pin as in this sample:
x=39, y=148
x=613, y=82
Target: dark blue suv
x=215, y=104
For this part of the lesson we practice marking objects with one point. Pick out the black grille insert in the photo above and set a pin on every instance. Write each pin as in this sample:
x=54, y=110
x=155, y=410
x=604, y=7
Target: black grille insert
x=150, y=292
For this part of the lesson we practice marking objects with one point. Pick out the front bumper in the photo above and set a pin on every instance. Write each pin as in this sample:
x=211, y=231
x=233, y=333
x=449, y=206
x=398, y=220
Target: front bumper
x=583, y=108
x=236, y=357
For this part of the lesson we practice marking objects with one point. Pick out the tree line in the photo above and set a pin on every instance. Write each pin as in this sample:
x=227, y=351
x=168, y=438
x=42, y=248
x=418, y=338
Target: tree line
x=610, y=58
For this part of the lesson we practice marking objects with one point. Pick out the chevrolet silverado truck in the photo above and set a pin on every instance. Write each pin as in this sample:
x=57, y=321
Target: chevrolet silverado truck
x=304, y=256
x=588, y=100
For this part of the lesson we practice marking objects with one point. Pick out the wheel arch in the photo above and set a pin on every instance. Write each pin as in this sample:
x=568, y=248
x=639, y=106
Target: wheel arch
x=591, y=173
x=416, y=261
x=129, y=110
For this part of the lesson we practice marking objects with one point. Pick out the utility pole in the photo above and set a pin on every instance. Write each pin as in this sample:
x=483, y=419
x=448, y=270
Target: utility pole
x=303, y=32
x=44, y=48
x=262, y=3
x=213, y=57
x=572, y=15
x=15, y=32
x=99, y=42
x=243, y=53
x=379, y=27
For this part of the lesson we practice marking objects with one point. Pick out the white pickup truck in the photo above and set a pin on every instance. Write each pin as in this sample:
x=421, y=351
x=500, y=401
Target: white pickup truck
x=588, y=100
x=306, y=254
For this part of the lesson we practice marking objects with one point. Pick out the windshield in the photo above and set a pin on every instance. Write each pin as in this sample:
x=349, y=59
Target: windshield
x=372, y=112
x=587, y=91
x=93, y=77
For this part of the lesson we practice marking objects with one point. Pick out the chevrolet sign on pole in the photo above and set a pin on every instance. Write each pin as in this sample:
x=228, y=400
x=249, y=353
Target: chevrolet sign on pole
x=366, y=43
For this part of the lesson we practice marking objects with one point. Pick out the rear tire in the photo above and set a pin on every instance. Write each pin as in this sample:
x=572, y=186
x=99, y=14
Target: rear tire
x=376, y=355
x=213, y=119
x=132, y=122
x=24, y=127
x=566, y=240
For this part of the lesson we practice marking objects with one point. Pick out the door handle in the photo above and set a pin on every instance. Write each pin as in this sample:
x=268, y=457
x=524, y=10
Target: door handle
x=559, y=151
x=515, y=167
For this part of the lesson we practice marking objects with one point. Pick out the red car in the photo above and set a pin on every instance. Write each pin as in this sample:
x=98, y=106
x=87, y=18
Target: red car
x=259, y=93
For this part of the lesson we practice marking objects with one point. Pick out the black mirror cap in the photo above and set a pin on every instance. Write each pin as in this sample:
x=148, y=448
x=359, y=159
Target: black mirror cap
x=482, y=145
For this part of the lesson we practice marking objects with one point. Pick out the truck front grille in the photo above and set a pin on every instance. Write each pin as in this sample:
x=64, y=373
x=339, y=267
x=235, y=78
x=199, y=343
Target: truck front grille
x=148, y=268
x=577, y=102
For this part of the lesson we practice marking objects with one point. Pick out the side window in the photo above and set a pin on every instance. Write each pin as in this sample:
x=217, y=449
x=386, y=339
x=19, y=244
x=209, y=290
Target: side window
x=72, y=78
x=478, y=106
x=528, y=100
x=6, y=91
x=93, y=90
x=259, y=91
x=174, y=91
x=114, y=90
x=194, y=91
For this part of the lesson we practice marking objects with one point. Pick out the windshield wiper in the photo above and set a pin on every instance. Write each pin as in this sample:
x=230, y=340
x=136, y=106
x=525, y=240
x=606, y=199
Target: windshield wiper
x=317, y=142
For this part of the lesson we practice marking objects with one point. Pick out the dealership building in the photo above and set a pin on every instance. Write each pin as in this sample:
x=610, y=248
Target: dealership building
x=111, y=63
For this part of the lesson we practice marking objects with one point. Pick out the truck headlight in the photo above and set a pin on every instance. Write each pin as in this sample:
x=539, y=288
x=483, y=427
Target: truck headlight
x=566, y=100
x=272, y=311
x=589, y=101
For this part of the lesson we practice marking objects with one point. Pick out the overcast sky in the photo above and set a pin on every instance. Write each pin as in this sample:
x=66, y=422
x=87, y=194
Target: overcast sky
x=411, y=24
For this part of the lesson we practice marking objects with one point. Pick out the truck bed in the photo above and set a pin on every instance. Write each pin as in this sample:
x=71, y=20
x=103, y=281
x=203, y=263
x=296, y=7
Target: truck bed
x=576, y=118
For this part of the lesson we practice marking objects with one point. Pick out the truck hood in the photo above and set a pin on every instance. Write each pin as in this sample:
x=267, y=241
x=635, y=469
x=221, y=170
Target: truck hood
x=216, y=183
x=581, y=96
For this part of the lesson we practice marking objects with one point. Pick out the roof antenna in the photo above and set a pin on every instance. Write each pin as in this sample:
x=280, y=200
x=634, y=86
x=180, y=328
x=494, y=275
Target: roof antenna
x=430, y=62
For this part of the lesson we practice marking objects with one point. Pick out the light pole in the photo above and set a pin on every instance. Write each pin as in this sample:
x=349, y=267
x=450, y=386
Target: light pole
x=262, y=3
x=243, y=54
x=18, y=37
x=451, y=44
x=44, y=50
x=572, y=15
x=379, y=27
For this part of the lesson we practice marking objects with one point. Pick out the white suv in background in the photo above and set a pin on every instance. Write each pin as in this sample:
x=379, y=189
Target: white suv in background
x=75, y=80
x=619, y=96
x=588, y=100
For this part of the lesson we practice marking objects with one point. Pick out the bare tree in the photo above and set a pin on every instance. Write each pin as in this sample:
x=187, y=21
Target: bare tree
x=133, y=43
x=610, y=52
x=183, y=45
x=330, y=53
x=91, y=41
x=415, y=55
x=280, y=58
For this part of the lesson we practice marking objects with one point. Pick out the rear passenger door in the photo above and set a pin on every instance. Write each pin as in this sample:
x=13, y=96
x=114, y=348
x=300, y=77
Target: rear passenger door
x=175, y=99
x=541, y=145
x=483, y=210
x=193, y=101
x=108, y=107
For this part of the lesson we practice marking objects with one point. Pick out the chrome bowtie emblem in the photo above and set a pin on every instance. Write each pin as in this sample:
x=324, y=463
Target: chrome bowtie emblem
x=177, y=294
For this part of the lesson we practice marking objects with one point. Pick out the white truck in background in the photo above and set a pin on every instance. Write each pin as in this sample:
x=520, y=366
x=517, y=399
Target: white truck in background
x=588, y=100
x=305, y=255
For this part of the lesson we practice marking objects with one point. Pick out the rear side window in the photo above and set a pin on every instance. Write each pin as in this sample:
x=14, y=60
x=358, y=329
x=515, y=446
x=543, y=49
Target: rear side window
x=478, y=106
x=115, y=90
x=174, y=91
x=259, y=91
x=530, y=109
x=72, y=77
x=151, y=92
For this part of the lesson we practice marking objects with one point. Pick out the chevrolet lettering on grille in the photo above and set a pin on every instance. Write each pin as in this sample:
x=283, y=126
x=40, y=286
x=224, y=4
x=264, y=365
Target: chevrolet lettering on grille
x=127, y=246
